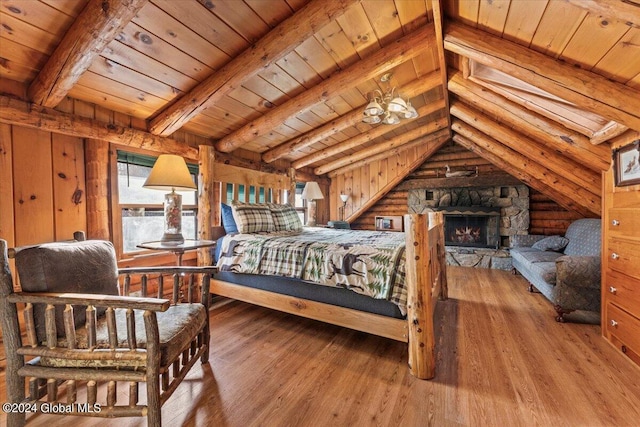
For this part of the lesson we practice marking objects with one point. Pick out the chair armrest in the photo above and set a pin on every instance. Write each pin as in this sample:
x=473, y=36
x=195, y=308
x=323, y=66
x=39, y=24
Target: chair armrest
x=524, y=240
x=150, y=304
x=578, y=271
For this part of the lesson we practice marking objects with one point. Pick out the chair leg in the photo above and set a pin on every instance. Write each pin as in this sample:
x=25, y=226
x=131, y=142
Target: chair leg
x=15, y=394
x=154, y=409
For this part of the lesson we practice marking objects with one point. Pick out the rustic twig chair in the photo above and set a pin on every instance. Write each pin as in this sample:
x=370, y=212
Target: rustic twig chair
x=81, y=332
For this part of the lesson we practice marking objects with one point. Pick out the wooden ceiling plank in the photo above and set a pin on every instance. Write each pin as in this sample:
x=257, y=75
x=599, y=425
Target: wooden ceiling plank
x=356, y=27
x=97, y=25
x=18, y=31
x=555, y=136
x=383, y=60
x=272, y=47
x=240, y=17
x=493, y=15
x=272, y=12
x=526, y=170
x=383, y=146
x=583, y=88
x=628, y=47
x=553, y=161
x=16, y=112
x=414, y=14
x=559, y=22
x=312, y=52
x=349, y=119
x=363, y=138
x=438, y=20
x=180, y=36
x=592, y=40
x=617, y=9
x=523, y=21
x=40, y=15
x=384, y=20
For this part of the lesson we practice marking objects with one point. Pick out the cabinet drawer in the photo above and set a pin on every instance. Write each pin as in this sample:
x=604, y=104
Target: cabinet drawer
x=622, y=290
x=623, y=326
x=623, y=256
x=624, y=223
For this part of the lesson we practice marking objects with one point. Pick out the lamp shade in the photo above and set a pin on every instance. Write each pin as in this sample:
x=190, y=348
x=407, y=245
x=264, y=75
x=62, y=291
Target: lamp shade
x=312, y=191
x=344, y=198
x=170, y=172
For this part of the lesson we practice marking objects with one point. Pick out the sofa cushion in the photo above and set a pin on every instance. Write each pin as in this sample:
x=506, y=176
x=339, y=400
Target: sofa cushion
x=541, y=256
x=551, y=243
x=545, y=270
x=87, y=267
x=584, y=237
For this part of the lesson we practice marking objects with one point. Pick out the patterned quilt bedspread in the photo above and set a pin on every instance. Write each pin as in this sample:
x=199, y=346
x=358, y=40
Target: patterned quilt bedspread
x=366, y=262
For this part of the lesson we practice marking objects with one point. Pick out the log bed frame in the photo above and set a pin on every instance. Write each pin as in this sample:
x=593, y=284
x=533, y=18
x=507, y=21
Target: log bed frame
x=425, y=265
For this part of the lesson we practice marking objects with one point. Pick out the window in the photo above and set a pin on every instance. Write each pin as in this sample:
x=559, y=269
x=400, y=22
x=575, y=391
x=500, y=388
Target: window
x=141, y=208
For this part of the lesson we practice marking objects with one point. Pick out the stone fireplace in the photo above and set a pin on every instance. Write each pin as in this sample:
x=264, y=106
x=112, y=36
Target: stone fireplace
x=479, y=221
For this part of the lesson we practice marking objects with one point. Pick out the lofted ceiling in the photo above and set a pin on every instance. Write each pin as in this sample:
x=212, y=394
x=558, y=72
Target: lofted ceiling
x=539, y=88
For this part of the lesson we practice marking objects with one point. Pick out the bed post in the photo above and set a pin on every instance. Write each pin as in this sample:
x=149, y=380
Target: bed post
x=419, y=304
x=291, y=198
x=436, y=219
x=208, y=207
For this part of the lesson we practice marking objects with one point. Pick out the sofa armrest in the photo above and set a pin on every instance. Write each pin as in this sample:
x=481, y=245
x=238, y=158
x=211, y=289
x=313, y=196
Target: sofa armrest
x=525, y=240
x=578, y=271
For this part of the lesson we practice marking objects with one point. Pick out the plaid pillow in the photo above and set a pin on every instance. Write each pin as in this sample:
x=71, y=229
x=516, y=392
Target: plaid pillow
x=285, y=217
x=252, y=218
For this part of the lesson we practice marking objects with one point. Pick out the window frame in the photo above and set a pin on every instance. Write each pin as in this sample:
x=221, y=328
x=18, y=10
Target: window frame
x=117, y=208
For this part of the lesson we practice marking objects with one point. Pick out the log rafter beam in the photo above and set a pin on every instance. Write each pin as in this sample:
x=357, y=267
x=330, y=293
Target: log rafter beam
x=16, y=112
x=385, y=59
x=416, y=87
x=279, y=42
x=385, y=146
x=365, y=137
x=587, y=90
x=537, y=176
x=585, y=179
x=546, y=131
x=97, y=25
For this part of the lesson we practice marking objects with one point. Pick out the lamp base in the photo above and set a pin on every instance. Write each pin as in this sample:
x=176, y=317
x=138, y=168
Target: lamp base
x=172, y=239
x=311, y=213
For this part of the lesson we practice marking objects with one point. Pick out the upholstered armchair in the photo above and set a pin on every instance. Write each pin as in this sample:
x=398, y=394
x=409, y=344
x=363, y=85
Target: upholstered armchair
x=84, y=331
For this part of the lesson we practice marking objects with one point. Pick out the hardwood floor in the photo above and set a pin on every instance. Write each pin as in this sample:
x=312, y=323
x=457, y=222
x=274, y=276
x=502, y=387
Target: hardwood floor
x=502, y=360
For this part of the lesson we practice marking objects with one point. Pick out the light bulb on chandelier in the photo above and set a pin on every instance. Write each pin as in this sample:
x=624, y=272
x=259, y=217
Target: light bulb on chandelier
x=387, y=108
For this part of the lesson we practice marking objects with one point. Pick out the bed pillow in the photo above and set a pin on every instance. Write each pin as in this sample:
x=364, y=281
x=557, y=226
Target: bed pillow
x=252, y=218
x=551, y=243
x=228, y=222
x=285, y=217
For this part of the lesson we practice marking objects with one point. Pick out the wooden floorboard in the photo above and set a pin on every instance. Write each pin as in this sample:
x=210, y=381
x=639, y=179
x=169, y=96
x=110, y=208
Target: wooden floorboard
x=502, y=360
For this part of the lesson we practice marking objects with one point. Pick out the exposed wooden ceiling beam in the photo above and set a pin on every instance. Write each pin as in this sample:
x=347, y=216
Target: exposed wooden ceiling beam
x=358, y=140
x=16, y=112
x=624, y=139
x=489, y=180
x=438, y=20
x=585, y=89
x=96, y=26
x=416, y=87
x=556, y=162
x=275, y=45
x=385, y=146
x=618, y=9
x=443, y=134
x=526, y=170
x=433, y=143
x=385, y=59
x=543, y=130
x=611, y=130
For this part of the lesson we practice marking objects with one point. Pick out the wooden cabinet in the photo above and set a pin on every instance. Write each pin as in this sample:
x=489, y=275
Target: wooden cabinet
x=390, y=223
x=621, y=267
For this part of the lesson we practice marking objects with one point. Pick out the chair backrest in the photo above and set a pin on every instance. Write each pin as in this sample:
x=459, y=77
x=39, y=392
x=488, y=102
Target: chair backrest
x=88, y=267
x=584, y=237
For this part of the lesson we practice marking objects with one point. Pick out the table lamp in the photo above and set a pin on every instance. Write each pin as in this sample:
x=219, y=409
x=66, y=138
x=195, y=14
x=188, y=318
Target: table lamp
x=171, y=172
x=344, y=198
x=311, y=193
